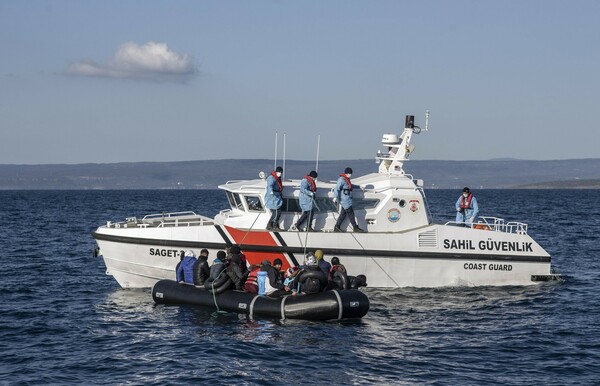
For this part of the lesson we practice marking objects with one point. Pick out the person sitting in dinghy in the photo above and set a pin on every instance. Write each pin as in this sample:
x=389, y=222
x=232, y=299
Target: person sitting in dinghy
x=269, y=283
x=466, y=208
x=217, y=266
x=201, y=268
x=185, y=269
x=310, y=279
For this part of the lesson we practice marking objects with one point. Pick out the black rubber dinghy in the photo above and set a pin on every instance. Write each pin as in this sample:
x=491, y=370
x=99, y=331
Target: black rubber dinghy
x=329, y=305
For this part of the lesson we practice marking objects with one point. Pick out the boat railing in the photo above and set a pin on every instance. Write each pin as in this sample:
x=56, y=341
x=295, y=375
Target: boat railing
x=496, y=224
x=161, y=220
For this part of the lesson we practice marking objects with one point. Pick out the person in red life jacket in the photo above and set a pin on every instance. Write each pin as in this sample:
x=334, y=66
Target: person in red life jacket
x=235, y=250
x=466, y=208
x=308, y=190
x=251, y=284
x=342, y=193
x=274, y=198
x=185, y=270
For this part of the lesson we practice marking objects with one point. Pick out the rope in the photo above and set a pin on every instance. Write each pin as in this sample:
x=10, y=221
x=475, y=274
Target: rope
x=372, y=258
x=212, y=284
x=249, y=229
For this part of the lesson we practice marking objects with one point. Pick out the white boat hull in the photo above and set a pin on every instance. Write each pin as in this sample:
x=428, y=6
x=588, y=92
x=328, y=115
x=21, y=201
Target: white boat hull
x=433, y=256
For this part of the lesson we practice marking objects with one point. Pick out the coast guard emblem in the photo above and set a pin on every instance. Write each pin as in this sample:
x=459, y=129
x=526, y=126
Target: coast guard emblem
x=393, y=215
x=413, y=205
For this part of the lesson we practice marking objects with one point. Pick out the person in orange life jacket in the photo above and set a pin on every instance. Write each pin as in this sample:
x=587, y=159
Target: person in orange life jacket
x=342, y=193
x=218, y=265
x=308, y=189
x=251, y=284
x=323, y=265
x=269, y=282
x=235, y=250
x=466, y=208
x=185, y=270
x=274, y=198
x=201, y=268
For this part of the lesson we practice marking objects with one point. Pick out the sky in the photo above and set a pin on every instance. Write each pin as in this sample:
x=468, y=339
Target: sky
x=128, y=81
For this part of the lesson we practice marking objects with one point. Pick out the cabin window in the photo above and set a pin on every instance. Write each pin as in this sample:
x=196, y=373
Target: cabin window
x=325, y=204
x=235, y=201
x=254, y=204
x=364, y=203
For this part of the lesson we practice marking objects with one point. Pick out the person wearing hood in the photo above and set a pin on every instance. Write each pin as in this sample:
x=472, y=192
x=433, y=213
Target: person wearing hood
x=324, y=266
x=274, y=198
x=185, y=270
x=235, y=250
x=466, y=208
x=342, y=193
x=234, y=271
x=308, y=190
x=218, y=265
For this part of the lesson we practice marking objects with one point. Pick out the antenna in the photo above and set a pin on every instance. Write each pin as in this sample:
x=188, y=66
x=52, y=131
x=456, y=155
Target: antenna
x=318, y=146
x=275, y=161
x=283, y=174
x=426, y=120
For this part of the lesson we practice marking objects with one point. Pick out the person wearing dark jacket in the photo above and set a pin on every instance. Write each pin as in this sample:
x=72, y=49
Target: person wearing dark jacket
x=235, y=249
x=273, y=285
x=235, y=272
x=201, y=268
x=217, y=266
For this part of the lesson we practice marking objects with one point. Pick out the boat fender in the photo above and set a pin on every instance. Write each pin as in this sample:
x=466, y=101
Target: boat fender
x=357, y=281
x=340, y=280
x=312, y=281
x=222, y=282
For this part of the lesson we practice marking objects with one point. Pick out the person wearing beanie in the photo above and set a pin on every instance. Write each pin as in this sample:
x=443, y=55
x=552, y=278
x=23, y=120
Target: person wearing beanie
x=308, y=190
x=342, y=193
x=466, y=208
x=235, y=250
x=323, y=265
x=277, y=263
x=271, y=280
x=274, y=198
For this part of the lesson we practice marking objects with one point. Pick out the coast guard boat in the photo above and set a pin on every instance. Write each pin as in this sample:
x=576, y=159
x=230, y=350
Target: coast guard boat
x=401, y=248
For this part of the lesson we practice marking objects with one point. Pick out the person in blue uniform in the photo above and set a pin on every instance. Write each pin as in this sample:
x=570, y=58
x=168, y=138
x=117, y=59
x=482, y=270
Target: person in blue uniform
x=342, y=193
x=308, y=190
x=274, y=198
x=466, y=208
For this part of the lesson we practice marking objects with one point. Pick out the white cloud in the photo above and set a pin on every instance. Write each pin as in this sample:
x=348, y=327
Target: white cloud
x=151, y=61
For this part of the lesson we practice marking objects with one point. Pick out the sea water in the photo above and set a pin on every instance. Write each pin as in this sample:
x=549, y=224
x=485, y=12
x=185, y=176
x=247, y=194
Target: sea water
x=62, y=320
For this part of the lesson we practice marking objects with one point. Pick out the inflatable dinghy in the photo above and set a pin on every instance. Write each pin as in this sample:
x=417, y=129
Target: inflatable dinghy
x=328, y=305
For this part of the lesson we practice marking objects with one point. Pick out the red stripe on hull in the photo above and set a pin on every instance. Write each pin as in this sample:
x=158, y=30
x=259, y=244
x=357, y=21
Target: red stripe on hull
x=257, y=238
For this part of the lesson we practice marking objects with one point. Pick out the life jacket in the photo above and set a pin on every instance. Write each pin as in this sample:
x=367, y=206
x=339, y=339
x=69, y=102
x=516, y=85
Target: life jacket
x=348, y=182
x=278, y=180
x=251, y=284
x=466, y=203
x=311, y=182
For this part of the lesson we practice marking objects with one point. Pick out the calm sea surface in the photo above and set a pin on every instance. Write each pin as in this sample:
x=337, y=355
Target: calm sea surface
x=62, y=320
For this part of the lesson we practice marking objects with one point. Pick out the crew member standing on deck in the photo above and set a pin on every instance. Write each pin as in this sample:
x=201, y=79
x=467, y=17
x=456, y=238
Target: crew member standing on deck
x=308, y=189
x=466, y=208
x=274, y=198
x=342, y=193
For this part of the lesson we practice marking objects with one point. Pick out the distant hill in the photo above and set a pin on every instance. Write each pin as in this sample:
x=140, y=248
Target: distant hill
x=492, y=174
